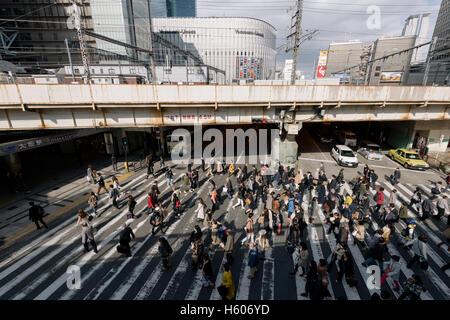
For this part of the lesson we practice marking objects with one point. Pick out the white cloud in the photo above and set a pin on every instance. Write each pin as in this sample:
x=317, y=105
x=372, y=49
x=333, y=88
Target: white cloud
x=336, y=22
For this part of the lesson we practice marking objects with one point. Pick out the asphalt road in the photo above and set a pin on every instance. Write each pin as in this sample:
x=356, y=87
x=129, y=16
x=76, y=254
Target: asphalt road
x=36, y=268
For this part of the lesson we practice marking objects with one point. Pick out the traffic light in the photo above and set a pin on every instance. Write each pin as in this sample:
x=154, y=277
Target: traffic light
x=125, y=141
x=259, y=120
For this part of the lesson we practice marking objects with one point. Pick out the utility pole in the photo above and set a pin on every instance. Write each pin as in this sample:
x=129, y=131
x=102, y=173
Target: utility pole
x=70, y=59
x=296, y=34
x=427, y=67
x=75, y=21
x=150, y=43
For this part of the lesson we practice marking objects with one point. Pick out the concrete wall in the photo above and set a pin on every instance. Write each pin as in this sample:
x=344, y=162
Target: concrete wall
x=436, y=130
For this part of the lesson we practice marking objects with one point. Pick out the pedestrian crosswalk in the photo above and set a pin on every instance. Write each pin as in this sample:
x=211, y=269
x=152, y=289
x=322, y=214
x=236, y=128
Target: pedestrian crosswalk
x=38, y=270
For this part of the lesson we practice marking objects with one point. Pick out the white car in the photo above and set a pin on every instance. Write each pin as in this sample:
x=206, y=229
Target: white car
x=370, y=151
x=344, y=156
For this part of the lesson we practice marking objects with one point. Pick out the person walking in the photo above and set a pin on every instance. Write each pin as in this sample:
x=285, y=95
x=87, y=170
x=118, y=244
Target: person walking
x=214, y=203
x=113, y=194
x=165, y=250
x=150, y=166
x=376, y=253
x=413, y=287
x=442, y=207
x=101, y=184
x=124, y=240
x=241, y=197
x=419, y=249
x=428, y=208
x=301, y=256
x=253, y=259
x=83, y=217
x=312, y=278
x=346, y=268
x=197, y=253
x=228, y=284
x=392, y=269
x=395, y=177
x=324, y=280
x=200, y=210
x=207, y=272
x=262, y=243
x=157, y=218
x=231, y=169
x=90, y=175
x=229, y=245
x=151, y=202
x=403, y=212
x=379, y=199
x=131, y=205
x=87, y=234
x=114, y=162
x=92, y=201
x=249, y=230
x=228, y=189
x=169, y=177
x=36, y=214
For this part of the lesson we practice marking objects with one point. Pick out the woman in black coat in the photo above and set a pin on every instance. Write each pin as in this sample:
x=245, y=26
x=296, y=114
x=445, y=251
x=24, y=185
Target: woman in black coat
x=207, y=272
x=321, y=194
x=311, y=279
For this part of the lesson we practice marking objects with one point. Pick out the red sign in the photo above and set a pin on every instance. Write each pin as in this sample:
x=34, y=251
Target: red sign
x=320, y=72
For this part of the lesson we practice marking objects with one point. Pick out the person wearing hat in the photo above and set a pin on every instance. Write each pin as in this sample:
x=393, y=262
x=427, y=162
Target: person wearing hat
x=262, y=242
x=409, y=234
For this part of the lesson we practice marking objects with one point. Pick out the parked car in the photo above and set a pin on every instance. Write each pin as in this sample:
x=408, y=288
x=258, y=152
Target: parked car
x=370, y=151
x=344, y=156
x=408, y=158
x=347, y=138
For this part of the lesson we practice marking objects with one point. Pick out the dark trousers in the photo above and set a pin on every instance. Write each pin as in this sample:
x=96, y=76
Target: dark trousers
x=115, y=204
x=126, y=248
x=100, y=188
x=230, y=258
x=415, y=259
x=41, y=221
x=93, y=244
x=296, y=268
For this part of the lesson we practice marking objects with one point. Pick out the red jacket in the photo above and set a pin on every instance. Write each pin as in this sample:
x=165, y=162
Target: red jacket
x=380, y=197
x=150, y=202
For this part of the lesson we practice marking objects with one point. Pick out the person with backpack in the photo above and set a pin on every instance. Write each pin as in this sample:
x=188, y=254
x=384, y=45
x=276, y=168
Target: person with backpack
x=392, y=269
x=165, y=250
x=131, y=205
x=101, y=184
x=413, y=287
x=419, y=249
x=92, y=201
x=157, y=218
x=113, y=194
x=36, y=214
x=124, y=240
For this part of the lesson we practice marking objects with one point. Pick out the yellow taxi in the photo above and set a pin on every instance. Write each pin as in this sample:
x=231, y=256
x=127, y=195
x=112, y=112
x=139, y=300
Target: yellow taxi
x=408, y=158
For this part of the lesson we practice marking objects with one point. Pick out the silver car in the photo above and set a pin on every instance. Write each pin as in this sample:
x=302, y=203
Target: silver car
x=370, y=151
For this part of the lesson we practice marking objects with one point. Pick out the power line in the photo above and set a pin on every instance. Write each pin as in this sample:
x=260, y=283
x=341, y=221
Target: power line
x=328, y=3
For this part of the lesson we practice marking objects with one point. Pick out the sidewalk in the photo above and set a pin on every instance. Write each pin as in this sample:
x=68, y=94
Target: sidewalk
x=437, y=160
x=57, y=198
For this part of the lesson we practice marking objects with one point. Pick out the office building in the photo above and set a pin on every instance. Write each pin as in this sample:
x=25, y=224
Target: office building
x=342, y=55
x=418, y=25
x=243, y=47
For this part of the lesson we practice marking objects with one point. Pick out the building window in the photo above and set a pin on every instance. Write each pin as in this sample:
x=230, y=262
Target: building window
x=377, y=74
x=55, y=36
x=40, y=36
x=101, y=70
x=378, y=68
x=111, y=71
x=93, y=71
x=168, y=71
x=132, y=71
x=77, y=71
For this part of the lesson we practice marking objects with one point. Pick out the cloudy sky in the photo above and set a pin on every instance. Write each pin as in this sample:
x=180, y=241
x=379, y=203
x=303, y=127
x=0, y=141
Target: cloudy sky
x=337, y=20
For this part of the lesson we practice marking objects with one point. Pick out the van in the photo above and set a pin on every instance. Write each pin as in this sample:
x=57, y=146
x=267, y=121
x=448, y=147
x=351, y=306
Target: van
x=347, y=138
x=344, y=156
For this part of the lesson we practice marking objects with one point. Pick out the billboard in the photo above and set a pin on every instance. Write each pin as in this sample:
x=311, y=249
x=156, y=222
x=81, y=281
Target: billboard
x=248, y=68
x=321, y=64
x=344, y=77
x=391, y=76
